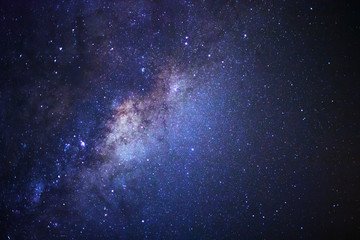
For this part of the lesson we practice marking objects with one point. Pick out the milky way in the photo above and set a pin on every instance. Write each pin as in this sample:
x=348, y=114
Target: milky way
x=141, y=123
x=179, y=120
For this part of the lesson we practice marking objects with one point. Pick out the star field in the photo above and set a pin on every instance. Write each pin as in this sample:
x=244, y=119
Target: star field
x=179, y=120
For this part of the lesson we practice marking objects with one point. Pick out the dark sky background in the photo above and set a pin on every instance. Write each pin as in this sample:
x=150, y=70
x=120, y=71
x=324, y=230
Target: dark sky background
x=179, y=120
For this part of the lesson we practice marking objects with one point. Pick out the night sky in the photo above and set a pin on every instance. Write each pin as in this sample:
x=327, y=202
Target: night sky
x=179, y=120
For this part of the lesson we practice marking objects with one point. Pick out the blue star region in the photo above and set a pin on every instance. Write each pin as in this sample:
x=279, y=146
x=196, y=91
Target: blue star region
x=179, y=120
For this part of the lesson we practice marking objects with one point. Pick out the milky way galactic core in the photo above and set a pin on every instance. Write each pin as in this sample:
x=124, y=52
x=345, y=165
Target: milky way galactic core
x=179, y=120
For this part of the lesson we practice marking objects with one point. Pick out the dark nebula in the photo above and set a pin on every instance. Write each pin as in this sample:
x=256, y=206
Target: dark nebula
x=179, y=120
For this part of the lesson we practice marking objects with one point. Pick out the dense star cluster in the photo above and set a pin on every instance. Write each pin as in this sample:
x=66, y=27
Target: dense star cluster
x=179, y=120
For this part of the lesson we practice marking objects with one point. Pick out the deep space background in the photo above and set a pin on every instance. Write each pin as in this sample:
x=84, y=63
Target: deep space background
x=179, y=120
